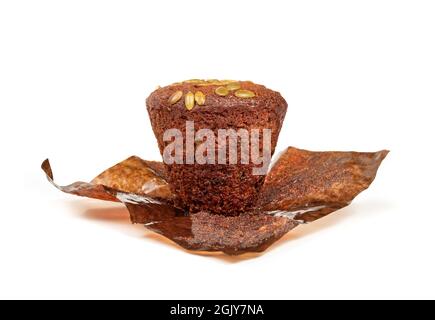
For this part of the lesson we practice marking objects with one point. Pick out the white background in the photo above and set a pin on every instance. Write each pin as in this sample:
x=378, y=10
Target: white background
x=357, y=75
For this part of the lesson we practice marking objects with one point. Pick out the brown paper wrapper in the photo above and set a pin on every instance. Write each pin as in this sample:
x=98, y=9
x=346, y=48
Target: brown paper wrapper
x=308, y=185
x=302, y=186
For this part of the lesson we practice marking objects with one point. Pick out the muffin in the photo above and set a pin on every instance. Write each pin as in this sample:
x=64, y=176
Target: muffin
x=191, y=117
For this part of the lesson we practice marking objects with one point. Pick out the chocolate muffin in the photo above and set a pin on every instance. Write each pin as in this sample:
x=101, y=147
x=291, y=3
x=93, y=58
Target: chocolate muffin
x=238, y=119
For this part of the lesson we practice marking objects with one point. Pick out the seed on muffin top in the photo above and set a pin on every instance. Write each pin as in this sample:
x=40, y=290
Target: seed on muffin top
x=213, y=97
x=223, y=89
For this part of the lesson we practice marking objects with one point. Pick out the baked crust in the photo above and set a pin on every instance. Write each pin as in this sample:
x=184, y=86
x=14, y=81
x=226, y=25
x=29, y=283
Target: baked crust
x=217, y=188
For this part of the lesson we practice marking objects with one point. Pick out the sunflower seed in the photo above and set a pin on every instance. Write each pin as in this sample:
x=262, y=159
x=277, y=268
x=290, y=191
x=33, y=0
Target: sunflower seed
x=194, y=81
x=189, y=100
x=200, y=98
x=244, y=93
x=175, y=97
x=221, y=91
x=233, y=86
x=206, y=84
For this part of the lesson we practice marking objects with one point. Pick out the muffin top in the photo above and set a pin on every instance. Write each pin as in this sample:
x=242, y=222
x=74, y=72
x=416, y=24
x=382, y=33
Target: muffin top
x=196, y=95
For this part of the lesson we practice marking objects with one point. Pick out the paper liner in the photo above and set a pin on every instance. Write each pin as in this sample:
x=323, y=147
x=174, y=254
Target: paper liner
x=301, y=187
x=249, y=232
x=133, y=175
x=308, y=185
